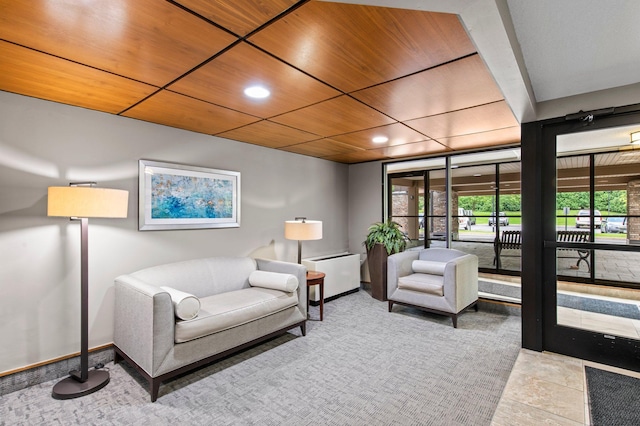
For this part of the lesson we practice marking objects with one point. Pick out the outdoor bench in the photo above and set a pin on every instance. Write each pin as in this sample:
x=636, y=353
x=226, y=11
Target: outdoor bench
x=512, y=240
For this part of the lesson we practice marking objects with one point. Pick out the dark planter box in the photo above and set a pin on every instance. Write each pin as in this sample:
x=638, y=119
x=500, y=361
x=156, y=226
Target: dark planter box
x=377, y=261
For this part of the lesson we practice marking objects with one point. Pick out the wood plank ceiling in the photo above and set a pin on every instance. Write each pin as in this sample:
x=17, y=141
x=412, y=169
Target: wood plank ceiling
x=339, y=74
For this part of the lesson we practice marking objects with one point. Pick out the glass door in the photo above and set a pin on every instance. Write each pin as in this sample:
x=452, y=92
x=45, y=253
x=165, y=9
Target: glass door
x=592, y=255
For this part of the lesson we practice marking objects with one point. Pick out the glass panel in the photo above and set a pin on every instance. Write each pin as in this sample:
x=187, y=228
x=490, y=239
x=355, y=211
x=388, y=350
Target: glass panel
x=435, y=209
x=595, y=287
x=473, y=198
x=407, y=207
x=602, y=308
x=509, y=217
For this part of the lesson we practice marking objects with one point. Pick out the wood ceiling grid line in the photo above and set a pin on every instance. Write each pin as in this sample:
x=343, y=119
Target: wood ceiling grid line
x=164, y=87
x=239, y=40
x=257, y=122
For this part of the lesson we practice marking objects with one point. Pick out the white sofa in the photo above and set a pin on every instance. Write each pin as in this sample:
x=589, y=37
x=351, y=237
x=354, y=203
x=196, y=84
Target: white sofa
x=233, y=314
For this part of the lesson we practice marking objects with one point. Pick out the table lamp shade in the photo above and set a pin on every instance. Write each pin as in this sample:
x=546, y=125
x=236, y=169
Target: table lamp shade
x=84, y=201
x=303, y=230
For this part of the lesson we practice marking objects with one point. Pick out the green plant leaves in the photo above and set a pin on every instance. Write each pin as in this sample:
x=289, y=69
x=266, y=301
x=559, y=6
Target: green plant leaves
x=388, y=234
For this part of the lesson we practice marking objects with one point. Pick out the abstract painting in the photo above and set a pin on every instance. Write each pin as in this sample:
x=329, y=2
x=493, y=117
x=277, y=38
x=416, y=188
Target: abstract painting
x=174, y=196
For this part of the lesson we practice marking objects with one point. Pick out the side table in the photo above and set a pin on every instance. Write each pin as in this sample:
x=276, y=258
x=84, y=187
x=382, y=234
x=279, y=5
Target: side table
x=316, y=278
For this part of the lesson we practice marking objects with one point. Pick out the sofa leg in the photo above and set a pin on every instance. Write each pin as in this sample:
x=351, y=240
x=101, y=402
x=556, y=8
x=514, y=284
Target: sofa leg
x=303, y=328
x=454, y=318
x=390, y=305
x=154, y=387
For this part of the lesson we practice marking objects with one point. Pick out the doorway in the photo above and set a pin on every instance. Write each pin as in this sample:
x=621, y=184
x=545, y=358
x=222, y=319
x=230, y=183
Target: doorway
x=588, y=248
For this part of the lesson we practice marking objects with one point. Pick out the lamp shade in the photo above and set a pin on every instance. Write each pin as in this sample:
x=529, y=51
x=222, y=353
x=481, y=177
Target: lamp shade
x=303, y=230
x=84, y=201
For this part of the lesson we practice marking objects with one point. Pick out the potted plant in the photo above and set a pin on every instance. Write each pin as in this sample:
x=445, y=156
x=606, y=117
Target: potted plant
x=383, y=239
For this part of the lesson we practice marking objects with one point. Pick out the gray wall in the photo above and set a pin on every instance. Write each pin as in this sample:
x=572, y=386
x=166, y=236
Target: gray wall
x=365, y=205
x=44, y=144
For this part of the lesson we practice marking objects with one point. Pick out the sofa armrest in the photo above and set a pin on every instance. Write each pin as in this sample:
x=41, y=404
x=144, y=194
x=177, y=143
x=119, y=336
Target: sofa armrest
x=299, y=271
x=144, y=322
x=399, y=265
x=461, y=281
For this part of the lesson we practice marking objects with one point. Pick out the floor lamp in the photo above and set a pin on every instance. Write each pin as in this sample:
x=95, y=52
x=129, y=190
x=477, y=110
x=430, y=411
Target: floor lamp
x=302, y=229
x=81, y=201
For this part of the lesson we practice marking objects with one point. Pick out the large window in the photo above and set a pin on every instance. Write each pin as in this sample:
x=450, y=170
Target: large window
x=463, y=201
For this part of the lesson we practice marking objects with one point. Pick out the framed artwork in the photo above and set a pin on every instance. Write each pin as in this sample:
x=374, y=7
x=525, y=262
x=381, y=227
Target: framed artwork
x=175, y=196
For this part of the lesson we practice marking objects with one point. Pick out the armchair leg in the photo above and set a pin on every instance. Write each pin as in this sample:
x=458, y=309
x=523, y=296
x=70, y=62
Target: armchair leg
x=454, y=318
x=390, y=305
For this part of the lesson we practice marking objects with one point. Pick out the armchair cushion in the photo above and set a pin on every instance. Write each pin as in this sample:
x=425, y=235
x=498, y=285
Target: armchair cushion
x=428, y=267
x=424, y=283
x=185, y=305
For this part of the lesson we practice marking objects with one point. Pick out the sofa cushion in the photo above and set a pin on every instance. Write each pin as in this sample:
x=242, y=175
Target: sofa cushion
x=185, y=306
x=273, y=280
x=424, y=283
x=227, y=310
x=428, y=267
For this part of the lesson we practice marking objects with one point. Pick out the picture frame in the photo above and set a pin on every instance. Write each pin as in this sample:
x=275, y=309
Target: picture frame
x=176, y=196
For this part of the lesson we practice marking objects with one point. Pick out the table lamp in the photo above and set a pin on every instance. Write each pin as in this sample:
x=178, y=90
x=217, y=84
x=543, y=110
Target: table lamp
x=302, y=229
x=81, y=201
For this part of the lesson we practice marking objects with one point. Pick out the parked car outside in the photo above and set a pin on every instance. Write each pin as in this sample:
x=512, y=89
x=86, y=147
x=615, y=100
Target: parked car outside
x=502, y=218
x=472, y=218
x=463, y=220
x=583, y=219
x=615, y=225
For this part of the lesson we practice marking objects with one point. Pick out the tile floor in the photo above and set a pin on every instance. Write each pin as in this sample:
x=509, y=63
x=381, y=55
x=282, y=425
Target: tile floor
x=550, y=389
x=547, y=389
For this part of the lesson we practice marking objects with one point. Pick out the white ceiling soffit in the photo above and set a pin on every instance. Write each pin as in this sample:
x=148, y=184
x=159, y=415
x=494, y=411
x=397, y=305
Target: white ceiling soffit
x=572, y=47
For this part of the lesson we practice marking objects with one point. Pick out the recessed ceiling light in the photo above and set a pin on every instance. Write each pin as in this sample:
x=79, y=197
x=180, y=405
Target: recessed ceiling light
x=380, y=139
x=257, y=92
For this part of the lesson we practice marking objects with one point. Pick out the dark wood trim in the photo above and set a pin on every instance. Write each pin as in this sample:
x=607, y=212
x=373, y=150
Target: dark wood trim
x=454, y=317
x=334, y=297
x=154, y=382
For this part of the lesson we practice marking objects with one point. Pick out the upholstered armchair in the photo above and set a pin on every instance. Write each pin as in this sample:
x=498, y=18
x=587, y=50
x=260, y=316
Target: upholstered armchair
x=442, y=281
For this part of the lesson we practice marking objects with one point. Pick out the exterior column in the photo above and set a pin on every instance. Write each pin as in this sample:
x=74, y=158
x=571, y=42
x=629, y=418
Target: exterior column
x=633, y=208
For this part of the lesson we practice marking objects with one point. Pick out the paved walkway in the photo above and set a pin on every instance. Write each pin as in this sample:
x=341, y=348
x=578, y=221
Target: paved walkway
x=607, y=265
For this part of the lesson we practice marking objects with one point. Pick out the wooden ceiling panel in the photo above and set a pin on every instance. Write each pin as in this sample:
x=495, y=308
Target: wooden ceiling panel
x=510, y=135
x=461, y=84
x=353, y=46
x=223, y=80
x=333, y=117
x=397, y=134
x=466, y=121
x=413, y=149
x=239, y=16
x=175, y=110
x=321, y=148
x=147, y=40
x=31, y=73
x=339, y=73
x=356, y=157
x=266, y=133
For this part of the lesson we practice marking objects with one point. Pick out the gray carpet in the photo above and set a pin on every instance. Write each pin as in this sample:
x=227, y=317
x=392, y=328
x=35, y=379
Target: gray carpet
x=614, y=399
x=360, y=366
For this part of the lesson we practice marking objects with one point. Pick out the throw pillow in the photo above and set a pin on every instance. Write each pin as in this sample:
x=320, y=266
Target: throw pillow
x=273, y=280
x=185, y=305
x=428, y=267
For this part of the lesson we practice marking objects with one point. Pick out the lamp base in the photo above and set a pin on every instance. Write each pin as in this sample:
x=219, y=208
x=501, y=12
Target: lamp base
x=71, y=388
